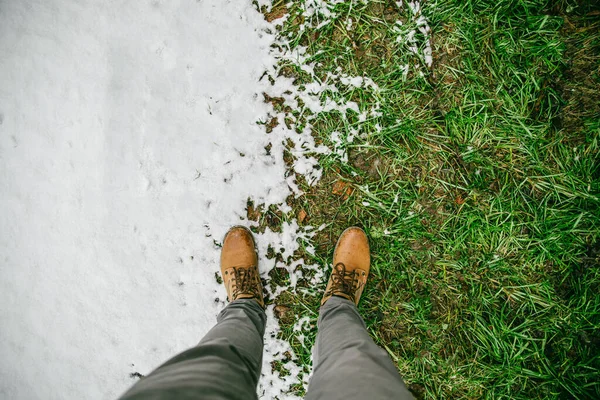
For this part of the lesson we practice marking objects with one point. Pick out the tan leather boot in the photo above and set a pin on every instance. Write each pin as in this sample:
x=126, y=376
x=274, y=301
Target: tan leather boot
x=351, y=264
x=239, y=266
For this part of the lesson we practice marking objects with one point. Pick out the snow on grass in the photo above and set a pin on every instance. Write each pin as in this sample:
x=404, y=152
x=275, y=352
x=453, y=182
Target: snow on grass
x=301, y=99
x=407, y=34
x=326, y=92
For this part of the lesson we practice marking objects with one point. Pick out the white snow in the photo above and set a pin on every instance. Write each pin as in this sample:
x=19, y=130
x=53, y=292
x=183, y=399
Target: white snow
x=128, y=146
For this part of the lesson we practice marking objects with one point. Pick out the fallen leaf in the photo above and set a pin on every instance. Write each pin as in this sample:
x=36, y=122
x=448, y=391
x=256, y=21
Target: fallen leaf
x=302, y=215
x=349, y=191
x=276, y=13
x=341, y=188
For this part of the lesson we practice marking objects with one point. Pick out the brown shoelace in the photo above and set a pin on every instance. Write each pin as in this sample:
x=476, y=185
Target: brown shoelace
x=244, y=282
x=343, y=281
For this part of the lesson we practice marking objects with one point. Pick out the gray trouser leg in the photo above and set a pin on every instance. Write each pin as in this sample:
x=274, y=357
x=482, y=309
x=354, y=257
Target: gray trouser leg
x=225, y=364
x=348, y=363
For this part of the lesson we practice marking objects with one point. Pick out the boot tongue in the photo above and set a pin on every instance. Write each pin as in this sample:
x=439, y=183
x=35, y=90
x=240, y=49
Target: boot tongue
x=245, y=284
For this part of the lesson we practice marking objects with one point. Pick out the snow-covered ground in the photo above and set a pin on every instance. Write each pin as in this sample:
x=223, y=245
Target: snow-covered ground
x=128, y=146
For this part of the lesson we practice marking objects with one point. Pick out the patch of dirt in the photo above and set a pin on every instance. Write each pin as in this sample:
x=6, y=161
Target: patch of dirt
x=284, y=314
x=417, y=390
x=444, y=76
x=377, y=165
x=136, y=375
x=366, y=161
x=278, y=103
x=581, y=78
x=253, y=213
x=271, y=217
x=272, y=124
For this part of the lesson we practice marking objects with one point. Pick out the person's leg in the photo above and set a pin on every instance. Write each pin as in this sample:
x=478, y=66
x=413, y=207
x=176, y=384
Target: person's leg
x=225, y=364
x=347, y=362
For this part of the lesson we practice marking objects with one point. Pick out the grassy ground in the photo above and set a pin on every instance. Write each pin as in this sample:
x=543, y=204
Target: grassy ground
x=478, y=182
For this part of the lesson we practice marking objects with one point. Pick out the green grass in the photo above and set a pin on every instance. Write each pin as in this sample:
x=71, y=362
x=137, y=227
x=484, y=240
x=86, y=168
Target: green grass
x=478, y=182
